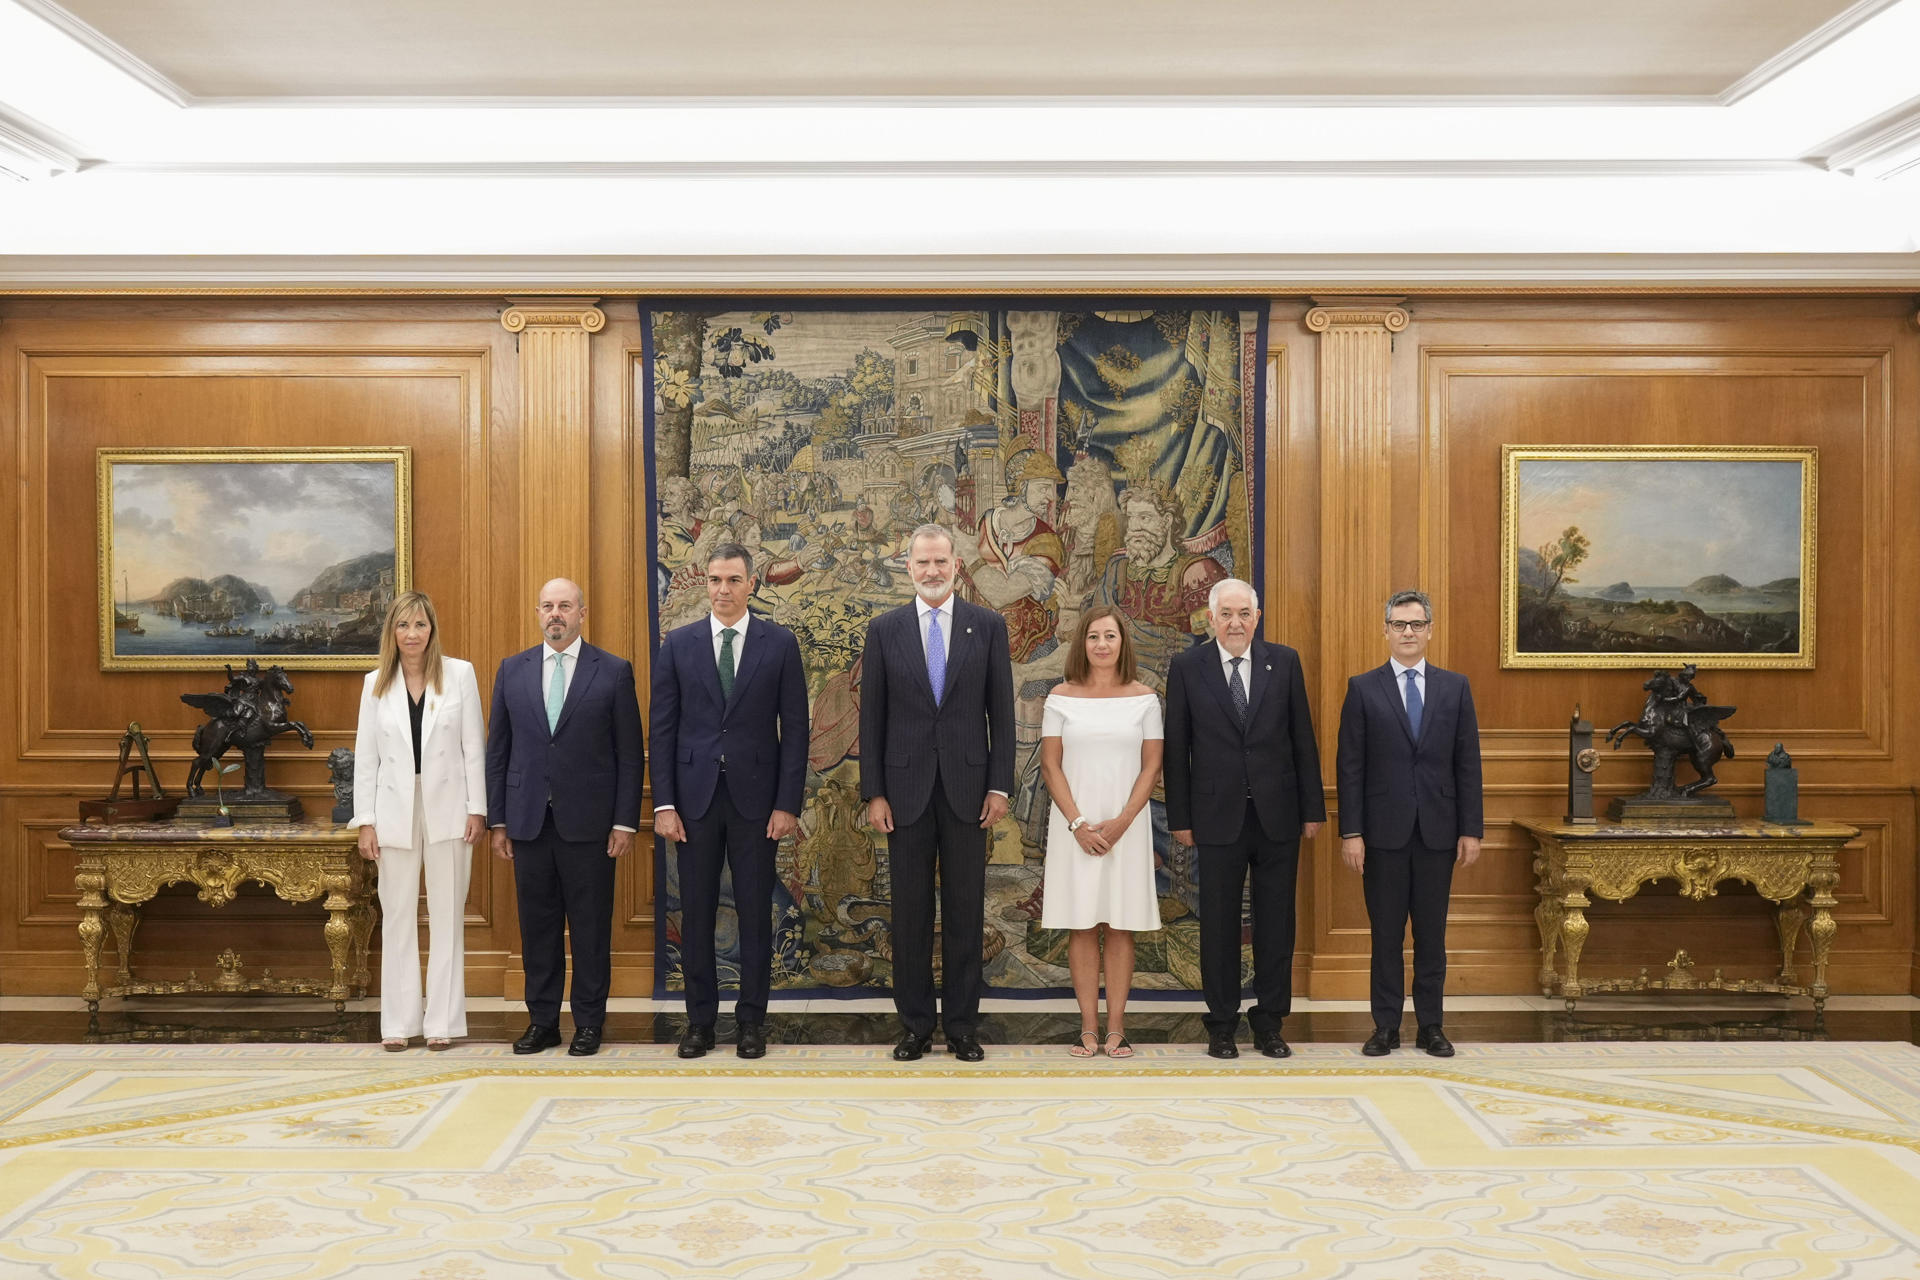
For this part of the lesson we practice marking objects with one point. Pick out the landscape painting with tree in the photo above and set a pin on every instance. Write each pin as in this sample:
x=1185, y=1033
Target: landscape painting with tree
x=1615, y=555
x=1079, y=455
x=211, y=556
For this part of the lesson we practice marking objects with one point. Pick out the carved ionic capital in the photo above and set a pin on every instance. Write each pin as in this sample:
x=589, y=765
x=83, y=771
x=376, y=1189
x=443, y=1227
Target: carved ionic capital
x=554, y=313
x=1357, y=313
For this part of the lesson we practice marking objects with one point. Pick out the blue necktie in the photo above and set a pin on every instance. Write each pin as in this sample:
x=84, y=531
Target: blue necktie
x=1414, y=705
x=936, y=657
x=556, y=692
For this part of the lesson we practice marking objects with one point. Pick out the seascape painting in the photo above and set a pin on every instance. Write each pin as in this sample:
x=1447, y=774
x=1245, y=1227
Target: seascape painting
x=212, y=556
x=1079, y=455
x=1624, y=556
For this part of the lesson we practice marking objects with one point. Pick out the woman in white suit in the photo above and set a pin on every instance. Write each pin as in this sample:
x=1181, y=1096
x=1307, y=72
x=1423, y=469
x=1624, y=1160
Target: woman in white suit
x=420, y=801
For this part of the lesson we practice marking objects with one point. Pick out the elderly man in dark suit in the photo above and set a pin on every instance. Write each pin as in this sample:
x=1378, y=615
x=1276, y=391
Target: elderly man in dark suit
x=729, y=761
x=936, y=767
x=563, y=799
x=1243, y=787
x=1409, y=790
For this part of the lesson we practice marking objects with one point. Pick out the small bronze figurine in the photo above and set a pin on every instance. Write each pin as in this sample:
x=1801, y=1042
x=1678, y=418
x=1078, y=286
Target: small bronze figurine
x=1783, y=789
x=340, y=773
x=250, y=712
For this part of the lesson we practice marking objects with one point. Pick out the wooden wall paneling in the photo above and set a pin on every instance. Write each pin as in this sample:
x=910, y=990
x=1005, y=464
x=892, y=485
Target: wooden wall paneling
x=123, y=373
x=1837, y=374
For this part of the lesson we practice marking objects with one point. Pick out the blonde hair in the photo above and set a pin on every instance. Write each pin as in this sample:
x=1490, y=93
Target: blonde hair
x=405, y=605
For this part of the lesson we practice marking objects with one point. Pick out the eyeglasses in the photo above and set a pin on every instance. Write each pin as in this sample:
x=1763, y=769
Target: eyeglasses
x=1415, y=625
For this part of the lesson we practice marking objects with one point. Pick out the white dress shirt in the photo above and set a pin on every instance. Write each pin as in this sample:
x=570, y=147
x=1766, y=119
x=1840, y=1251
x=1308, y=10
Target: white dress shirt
x=1246, y=667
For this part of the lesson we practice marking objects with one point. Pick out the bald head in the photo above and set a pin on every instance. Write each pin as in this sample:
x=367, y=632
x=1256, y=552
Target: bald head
x=562, y=610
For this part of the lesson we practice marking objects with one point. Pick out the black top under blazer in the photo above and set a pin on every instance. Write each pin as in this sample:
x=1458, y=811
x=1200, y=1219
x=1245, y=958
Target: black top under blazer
x=1389, y=785
x=1213, y=764
x=589, y=764
x=906, y=738
x=760, y=732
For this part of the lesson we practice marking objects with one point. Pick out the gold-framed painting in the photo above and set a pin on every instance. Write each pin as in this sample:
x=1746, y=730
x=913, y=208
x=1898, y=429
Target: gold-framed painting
x=288, y=556
x=1620, y=556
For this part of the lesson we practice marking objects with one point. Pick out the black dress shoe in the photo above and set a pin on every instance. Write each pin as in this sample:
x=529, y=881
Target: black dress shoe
x=1382, y=1042
x=753, y=1041
x=911, y=1047
x=966, y=1048
x=1220, y=1045
x=535, y=1038
x=1434, y=1041
x=1272, y=1044
x=586, y=1042
x=696, y=1042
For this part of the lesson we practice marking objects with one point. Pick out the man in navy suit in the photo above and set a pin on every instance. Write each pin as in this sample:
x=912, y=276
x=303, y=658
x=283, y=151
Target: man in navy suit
x=563, y=799
x=1409, y=781
x=936, y=767
x=729, y=755
x=1243, y=788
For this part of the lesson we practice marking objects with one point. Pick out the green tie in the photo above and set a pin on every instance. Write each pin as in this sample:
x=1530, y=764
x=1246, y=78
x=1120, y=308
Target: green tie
x=556, y=692
x=726, y=662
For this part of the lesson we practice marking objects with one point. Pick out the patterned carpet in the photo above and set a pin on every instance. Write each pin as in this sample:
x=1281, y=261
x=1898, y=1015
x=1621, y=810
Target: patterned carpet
x=1512, y=1162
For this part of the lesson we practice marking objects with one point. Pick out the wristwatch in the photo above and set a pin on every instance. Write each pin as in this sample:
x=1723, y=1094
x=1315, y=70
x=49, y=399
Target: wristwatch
x=1076, y=824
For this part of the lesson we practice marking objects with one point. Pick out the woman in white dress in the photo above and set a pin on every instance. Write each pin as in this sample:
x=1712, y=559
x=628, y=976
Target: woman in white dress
x=1100, y=750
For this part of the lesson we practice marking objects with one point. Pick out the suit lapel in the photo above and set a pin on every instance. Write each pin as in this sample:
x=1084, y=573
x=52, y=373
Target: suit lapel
x=536, y=660
x=1259, y=675
x=914, y=654
x=583, y=675
x=749, y=660
x=430, y=711
x=393, y=705
x=1213, y=676
x=959, y=649
x=697, y=649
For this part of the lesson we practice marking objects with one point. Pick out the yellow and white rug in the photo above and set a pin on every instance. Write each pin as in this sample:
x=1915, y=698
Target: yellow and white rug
x=1511, y=1162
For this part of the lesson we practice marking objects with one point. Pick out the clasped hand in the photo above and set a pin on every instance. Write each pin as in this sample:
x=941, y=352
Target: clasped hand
x=1098, y=838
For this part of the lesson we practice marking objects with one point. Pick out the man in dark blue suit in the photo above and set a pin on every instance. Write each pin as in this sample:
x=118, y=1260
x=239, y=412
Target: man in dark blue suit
x=936, y=767
x=1409, y=783
x=729, y=760
x=563, y=799
x=1243, y=788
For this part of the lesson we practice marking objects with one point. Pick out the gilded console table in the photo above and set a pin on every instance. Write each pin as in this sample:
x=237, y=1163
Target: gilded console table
x=123, y=867
x=1795, y=868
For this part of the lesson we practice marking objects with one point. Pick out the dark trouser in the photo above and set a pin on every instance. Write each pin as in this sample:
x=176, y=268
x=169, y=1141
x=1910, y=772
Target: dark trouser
x=723, y=837
x=565, y=889
x=955, y=844
x=1224, y=875
x=1402, y=884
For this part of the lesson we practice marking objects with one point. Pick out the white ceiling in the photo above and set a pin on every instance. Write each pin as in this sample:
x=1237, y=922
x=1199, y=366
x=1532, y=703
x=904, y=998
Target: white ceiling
x=223, y=49
x=1282, y=144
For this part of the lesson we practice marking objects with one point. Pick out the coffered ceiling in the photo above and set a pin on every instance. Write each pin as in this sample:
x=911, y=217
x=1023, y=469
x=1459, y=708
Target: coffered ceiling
x=1264, y=143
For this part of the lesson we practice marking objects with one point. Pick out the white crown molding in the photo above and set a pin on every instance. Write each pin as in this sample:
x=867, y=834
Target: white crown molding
x=1800, y=50
x=1252, y=275
x=115, y=55
x=1064, y=168
x=1884, y=147
x=34, y=151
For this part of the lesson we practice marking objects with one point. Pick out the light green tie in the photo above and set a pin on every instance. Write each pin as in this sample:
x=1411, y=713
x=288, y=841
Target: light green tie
x=556, y=692
x=726, y=662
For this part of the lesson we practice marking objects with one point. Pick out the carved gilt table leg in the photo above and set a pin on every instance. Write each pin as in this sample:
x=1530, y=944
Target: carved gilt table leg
x=1789, y=917
x=361, y=918
x=91, y=881
x=339, y=933
x=1822, y=877
x=1548, y=916
x=1573, y=928
x=124, y=919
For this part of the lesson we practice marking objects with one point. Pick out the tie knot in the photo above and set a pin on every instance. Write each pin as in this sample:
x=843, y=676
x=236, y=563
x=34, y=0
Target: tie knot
x=1236, y=661
x=727, y=633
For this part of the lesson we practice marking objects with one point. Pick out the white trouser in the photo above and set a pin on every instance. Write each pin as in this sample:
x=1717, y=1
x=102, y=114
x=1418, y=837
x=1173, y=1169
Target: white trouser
x=449, y=867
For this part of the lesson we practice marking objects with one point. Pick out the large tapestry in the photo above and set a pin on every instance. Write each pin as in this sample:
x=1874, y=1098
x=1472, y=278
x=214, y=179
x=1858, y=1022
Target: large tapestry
x=1079, y=455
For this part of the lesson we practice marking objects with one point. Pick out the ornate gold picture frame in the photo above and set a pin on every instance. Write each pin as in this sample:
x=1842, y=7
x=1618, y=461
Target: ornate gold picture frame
x=211, y=556
x=1629, y=557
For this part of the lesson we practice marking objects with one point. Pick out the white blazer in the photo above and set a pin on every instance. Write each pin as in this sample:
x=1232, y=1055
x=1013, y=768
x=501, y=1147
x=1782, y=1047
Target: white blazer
x=453, y=780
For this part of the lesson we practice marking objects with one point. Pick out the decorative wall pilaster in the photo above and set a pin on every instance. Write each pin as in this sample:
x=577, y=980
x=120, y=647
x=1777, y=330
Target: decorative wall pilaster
x=555, y=399
x=1356, y=517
